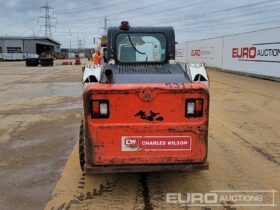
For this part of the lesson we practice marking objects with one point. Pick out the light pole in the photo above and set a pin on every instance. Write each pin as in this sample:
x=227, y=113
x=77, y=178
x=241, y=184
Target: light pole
x=70, y=37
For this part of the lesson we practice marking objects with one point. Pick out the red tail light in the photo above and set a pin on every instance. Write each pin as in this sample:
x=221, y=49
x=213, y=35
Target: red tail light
x=95, y=108
x=194, y=108
x=198, y=105
x=100, y=109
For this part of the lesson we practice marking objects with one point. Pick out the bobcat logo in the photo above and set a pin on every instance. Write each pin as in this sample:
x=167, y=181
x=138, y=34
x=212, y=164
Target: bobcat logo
x=150, y=117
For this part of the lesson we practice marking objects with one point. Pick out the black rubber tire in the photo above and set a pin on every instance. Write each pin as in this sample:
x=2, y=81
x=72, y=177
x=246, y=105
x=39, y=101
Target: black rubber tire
x=46, y=61
x=82, y=146
x=32, y=61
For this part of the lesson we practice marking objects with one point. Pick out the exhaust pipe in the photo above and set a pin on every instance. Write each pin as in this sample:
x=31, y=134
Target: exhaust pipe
x=109, y=76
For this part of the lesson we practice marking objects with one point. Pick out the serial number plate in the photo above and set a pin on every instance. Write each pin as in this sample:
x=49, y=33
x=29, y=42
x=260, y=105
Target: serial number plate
x=156, y=143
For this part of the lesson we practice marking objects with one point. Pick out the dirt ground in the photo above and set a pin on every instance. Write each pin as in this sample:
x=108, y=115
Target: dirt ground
x=40, y=115
x=40, y=111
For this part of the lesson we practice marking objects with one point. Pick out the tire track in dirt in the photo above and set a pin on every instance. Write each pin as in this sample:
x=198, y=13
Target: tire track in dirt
x=238, y=155
x=75, y=190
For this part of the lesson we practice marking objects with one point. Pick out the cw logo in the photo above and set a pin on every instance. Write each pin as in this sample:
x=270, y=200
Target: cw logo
x=130, y=141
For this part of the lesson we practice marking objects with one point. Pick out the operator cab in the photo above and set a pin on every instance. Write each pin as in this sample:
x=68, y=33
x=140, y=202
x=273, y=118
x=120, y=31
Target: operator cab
x=141, y=45
x=141, y=55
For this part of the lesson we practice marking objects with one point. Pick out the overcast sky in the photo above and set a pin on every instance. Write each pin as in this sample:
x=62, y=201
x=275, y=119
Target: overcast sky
x=84, y=19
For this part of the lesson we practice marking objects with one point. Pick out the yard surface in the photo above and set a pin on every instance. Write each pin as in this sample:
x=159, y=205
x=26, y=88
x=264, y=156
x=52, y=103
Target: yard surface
x=41, y=110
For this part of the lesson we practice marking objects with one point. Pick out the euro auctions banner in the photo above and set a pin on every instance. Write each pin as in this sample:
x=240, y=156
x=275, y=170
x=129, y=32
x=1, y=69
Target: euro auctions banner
x=208, y=51
x=255, y=52
x=182, y=52
x=261, y=52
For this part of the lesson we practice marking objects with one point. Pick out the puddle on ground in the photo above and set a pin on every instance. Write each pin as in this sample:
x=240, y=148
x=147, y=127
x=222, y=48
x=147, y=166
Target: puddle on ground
x=47, y=89
x=21, y=143
x=58, y=89
x=62, y=107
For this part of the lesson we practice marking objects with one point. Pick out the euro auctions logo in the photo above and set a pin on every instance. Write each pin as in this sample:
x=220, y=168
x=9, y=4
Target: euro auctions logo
x=224, y=198
x=203, y=52
x=244, y=52
x=195, y=53
x=261, y=52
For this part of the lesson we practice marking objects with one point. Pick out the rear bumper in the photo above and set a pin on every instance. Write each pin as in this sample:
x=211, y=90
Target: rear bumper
x=106, y=145
x=90, y=169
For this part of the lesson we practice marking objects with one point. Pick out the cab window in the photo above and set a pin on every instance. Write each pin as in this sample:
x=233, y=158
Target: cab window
x=141, y=47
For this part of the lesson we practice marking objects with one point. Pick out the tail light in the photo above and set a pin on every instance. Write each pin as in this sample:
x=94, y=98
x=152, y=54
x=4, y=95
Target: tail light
x=100, y=109
x=194, y=108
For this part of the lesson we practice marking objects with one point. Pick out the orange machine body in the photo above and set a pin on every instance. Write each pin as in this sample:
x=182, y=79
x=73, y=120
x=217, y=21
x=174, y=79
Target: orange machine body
x=146, y=125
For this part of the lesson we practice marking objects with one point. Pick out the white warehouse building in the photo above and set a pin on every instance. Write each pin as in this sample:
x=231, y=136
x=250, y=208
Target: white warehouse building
x=19, y=48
